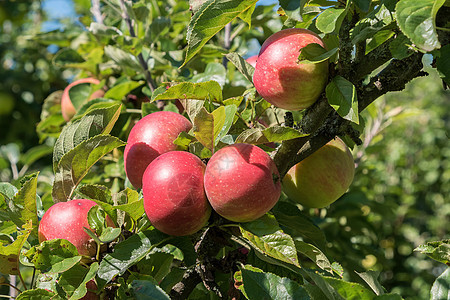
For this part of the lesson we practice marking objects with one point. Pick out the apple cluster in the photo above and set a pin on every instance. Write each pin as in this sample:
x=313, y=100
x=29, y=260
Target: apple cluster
x=240, y=182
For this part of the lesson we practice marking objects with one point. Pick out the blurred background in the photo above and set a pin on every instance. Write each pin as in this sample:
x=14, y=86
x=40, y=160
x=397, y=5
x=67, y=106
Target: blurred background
x=400, y=195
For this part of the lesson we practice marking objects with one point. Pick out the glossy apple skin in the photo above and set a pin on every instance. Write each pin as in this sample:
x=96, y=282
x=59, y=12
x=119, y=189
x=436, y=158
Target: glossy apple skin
x=242, y=182
x=280, y=79
x=152, y=136
x=65, y=220
x=252, y=60
x=174, y=197
x=321, y=178
x=67, y=108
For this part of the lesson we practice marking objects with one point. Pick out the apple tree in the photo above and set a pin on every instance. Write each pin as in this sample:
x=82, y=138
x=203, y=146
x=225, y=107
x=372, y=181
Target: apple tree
x=200, y=164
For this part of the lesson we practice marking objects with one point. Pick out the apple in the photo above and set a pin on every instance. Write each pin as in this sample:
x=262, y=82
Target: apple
x=321, y=178
x=90, y=295
x=152, y=136
x=252, y=60
x=65, y=220
x=242, y=182
x=67, y=108
x=174, y=197
x=281, y=79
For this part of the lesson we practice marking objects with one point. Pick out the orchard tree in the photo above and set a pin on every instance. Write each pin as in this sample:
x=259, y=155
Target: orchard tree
x=204, y=214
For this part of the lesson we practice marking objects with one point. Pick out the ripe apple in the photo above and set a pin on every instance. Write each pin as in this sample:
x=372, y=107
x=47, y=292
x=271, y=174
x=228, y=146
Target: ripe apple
x=65, y=220
x=90, y=295
x=174, y=197
x=252, y=60
x=281, y=79
x=152, y=136
x=67, y=108
x=242, y=182
x=321, y=178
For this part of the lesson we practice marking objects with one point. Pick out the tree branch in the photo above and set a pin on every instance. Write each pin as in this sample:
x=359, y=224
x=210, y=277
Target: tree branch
x=323, y=126
x=151, y=83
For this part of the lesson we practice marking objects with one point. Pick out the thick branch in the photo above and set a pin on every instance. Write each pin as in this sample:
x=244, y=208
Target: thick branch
x=393, y=78
x=374, y=59
x=183, y=288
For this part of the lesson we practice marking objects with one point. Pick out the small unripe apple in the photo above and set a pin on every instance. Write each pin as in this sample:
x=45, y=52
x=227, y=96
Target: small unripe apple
x=67, y=108
x=321, y=178
x=152, y=136
x=174, y=197
x=279, y=76
x=65, y=220
x=242, y=182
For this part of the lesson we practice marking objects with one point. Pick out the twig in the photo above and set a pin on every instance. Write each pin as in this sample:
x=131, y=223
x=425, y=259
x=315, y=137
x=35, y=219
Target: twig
x=95, y=9
x=226, y=42
x=151, y=83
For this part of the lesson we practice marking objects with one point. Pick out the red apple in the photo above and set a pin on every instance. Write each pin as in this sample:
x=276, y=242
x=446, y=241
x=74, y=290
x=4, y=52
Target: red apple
x=152, y=136
x=90, y=295
x=65, y=220
x=321, y=178
x=67, y=108
x=174, y=197
x=252, y=60
x=242, y=182
x=281, y=79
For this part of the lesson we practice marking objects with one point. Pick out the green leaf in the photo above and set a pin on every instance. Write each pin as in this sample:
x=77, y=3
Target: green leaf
x=128, y=253
x=36, y=294
x=35, y=154
x=223, y=119
x=209, y=90
x=8, y=190
x=109, y=234
x=213, y=72
x=209, y=19
x=279, y=133
x=378, y=38
x=315, y=53
x=253, y=136
x=79, y=94
x=144, y=289
x=204, y=128
x=242, y=65
x=74, y=280
x=439, y=250
x=441, y=287
x=54, y=256
x=119, y=91
x=97, y=192
x=265, y=236
x=9, y=255
x=400, y=47
x=259, y=285
x=294, y=8
x=157, y=264
x=341, y=95
x=443, y=63
x=363, y=5
x=134, y=206
x=67, y=58
x=125, y=60
x=97, y=121
x=75, y=164
x=350, y=290
x=22, y=208
x=297, y=224
x=417, y=20
x=371, y=278
x=330, y=20
x=314, y=253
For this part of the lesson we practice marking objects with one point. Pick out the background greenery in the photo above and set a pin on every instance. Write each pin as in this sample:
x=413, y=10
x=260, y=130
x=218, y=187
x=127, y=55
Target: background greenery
x=398, y=200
